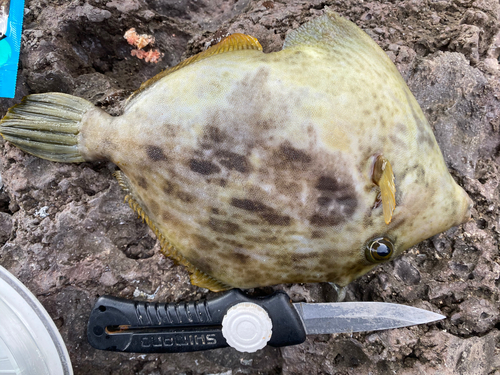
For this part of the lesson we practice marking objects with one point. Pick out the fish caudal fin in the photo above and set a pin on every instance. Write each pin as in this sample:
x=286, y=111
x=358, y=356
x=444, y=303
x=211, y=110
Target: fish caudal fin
x=383, y=176
x=47, y=126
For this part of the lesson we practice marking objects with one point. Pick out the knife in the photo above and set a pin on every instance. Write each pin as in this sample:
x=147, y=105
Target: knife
x=237, y=320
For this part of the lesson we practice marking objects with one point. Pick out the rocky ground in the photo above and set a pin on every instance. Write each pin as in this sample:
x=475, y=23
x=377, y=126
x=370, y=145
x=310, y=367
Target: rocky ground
x=66, y=233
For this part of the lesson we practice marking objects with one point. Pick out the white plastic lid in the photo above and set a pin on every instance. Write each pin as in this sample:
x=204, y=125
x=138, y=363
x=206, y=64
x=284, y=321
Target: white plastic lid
x=247, y=327
x=29, y=340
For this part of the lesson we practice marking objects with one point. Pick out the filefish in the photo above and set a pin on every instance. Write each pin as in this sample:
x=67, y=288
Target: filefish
x=311, y=164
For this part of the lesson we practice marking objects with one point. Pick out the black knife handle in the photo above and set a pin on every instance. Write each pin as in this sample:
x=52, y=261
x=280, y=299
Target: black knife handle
x=123, y=325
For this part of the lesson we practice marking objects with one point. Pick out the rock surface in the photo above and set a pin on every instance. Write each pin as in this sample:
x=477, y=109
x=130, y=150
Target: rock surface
x=66, y=233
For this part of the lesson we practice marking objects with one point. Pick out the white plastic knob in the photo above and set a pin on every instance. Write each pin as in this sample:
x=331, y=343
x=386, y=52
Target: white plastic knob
x=247, y=327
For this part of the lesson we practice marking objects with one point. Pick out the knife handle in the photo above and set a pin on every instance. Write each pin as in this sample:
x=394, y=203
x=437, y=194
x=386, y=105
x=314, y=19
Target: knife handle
x=123, y=325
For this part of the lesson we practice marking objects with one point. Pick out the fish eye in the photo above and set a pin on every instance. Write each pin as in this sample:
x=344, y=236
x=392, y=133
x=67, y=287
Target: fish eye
x=379, y=250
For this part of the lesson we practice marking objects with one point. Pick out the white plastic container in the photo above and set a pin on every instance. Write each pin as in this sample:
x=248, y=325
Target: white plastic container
x=29, y=340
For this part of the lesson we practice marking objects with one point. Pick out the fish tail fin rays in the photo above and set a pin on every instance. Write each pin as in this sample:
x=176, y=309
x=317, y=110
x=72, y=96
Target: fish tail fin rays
x=383, y=176
x=233, y=42
x=198, y=277
x=48, y=126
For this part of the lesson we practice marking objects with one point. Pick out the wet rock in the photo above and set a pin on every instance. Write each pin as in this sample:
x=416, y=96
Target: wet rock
x=93, y=14
x=475, y=355
x=406, y=272
x=451, y=98
x=5, y=227
x=124, y=6
x=476, y=316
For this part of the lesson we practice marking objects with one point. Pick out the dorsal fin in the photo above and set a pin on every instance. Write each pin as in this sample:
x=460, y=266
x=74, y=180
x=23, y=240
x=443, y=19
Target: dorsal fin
x=234, y=42
x=331, y=31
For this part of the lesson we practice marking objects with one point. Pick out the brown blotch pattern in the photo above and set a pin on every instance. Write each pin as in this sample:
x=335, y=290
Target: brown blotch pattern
x=248, y=205
x=141, y=181
x=214, y=134
x=323, y=201
x=168, y=187
x=317, y=234
x=233, y=243
x=325, y=221
x=153, y=207
x=232, y=160
x=203, y=167
x=155, y=153
x=328, y=184
x=275, y=219
x=297, y=257
x=397, y=141
x=255, y=239
x=223, y=226
x=185, y=197
x=336, y=202
x=204, y=243
x=264, y=212
x=289, y=154
x=240, y=257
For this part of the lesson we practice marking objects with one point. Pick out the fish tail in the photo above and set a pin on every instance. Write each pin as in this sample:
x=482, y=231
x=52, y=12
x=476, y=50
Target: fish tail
x=49, y=126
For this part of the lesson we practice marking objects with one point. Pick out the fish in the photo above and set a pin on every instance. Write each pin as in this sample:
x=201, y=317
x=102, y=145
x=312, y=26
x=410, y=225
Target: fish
x=311, y=164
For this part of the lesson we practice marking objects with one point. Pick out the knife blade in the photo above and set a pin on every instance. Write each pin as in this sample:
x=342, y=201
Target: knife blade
x=321, y=318
x=237, y=320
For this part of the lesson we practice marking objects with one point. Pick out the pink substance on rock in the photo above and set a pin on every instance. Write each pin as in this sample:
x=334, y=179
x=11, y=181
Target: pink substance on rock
x=141, y=41
x=149, y=56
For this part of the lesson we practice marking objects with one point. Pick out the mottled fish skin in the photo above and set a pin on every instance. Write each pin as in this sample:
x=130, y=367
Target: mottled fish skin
x=258, y=167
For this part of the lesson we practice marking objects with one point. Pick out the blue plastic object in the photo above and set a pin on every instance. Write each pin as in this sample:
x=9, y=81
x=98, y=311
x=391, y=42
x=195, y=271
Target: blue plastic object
x=10, y=47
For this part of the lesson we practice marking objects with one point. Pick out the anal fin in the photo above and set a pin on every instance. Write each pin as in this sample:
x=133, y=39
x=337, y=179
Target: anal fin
x=198, y=277
x=202, y=280
x=383, y=176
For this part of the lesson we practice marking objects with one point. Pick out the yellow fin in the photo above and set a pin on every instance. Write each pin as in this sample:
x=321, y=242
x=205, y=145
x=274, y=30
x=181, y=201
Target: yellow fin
x=198, y=278
x=384, y=178
x=234, y=42
x=202, y=280
x=339, y=36
x=328, y=30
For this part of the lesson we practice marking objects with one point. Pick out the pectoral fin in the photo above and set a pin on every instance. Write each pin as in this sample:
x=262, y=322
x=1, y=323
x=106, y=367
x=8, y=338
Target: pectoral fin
x=384, y=178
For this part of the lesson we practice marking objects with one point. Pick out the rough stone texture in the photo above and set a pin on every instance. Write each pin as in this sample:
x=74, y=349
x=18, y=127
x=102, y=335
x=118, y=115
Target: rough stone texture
x=66, y=233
